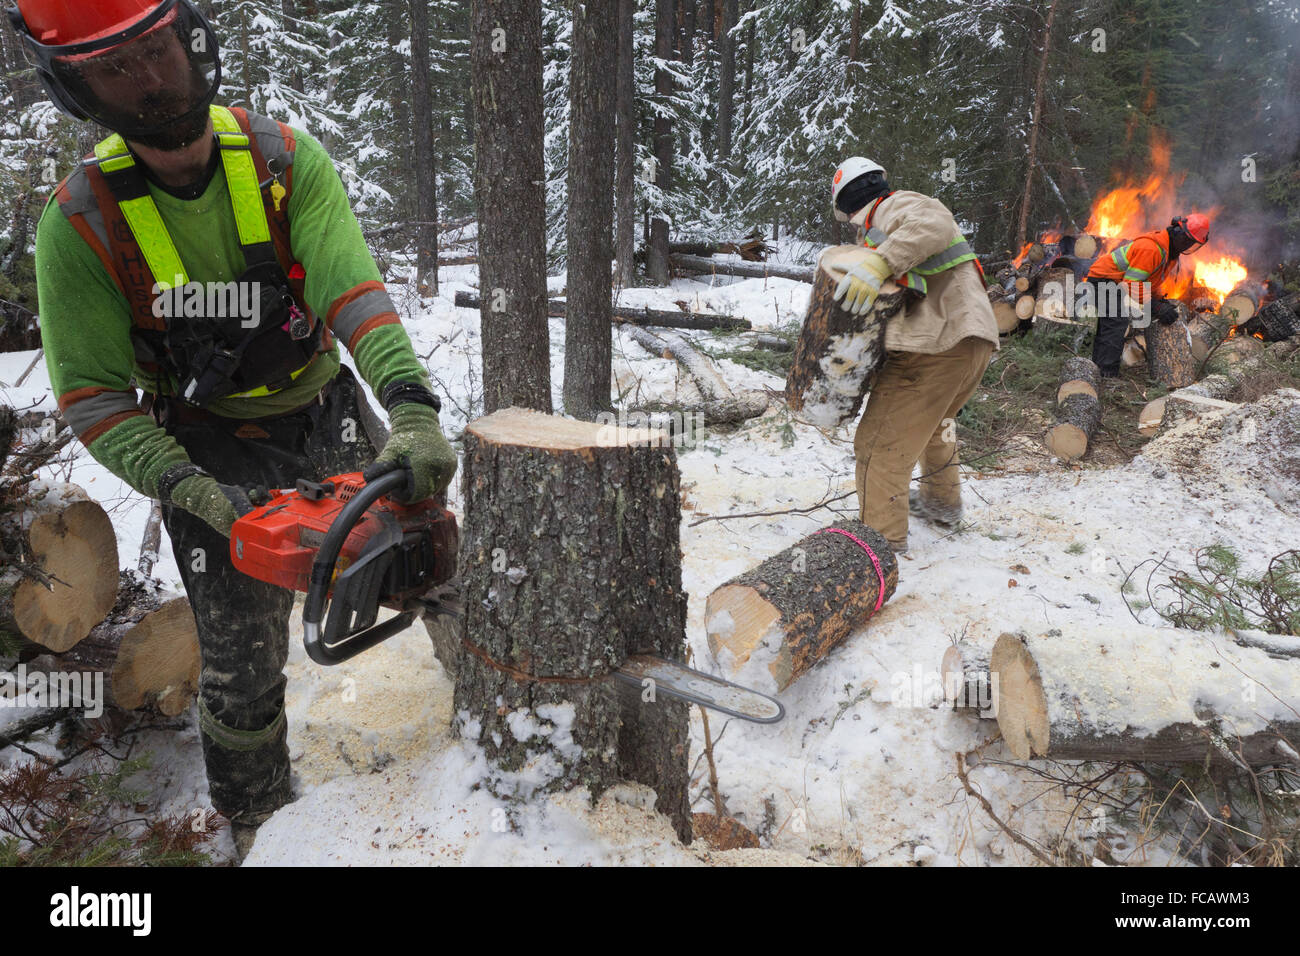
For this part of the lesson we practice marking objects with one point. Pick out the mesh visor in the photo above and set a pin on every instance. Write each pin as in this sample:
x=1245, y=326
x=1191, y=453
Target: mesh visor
x=166, y=76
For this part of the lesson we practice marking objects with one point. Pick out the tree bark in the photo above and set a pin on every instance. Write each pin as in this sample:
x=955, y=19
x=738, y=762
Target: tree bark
x=657, y=250
x=625, y=152
x=562, y=584
x=425, y=158
x=1076, y=419
x=508, y=177
x=838, y=352
x=1169, y=353
x=587, y=335
x=1040, y=87
x=768, y=626
x=1089, y=695
x=1242, y=302
x=726, y=89
x=967, y=684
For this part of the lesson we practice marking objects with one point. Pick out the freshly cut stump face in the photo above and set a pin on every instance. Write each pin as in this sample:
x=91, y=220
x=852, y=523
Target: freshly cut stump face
x=1022, y=704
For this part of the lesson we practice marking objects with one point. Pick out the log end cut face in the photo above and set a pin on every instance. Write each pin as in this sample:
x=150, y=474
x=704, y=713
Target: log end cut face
x=158, y=663
x=76, y=547
x=1021, y=702
x=746, y=635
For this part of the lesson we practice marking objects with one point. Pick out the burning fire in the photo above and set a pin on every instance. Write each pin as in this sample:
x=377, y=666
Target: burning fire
x=1134, y=207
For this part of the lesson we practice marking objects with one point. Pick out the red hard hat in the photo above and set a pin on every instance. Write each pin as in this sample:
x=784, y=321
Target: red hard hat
x=1198, y=227
x=60, y=22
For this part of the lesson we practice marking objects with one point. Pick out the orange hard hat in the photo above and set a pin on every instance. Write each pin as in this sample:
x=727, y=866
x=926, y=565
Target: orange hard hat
x=1196, y=226
x=63, y=22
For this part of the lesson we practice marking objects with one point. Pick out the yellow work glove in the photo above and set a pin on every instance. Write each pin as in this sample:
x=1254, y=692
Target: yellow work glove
x=861, y=283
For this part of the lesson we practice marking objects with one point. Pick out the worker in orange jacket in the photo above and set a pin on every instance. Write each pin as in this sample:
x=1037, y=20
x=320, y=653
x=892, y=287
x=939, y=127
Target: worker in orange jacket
x=1119, y=283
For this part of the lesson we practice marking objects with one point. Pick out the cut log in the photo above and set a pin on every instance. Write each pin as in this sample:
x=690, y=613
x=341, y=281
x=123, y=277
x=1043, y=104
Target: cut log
x=1208, y=330
x=1086, y=246
x=1276, y=321
x=967, y=685
x=1079, y=376
x=1169, y=352
x=769, y=625
x=1021, y=283
x=659, y=317
x=720, y=404
x=1135, y=352
x=1243, y=301
x=1054, y=296
x=1209, y=394
x=1025, y=307
x=562, y=582
x=1004, y=311
x=838, y=352
x=1156, y=695
x=63, y=578
x=147, y=649
x=749, y=270
x=751, y=250
x=1240, y=348
x=1076, y=419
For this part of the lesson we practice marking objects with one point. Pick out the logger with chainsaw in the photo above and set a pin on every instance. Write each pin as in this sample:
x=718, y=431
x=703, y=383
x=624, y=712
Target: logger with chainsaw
x=209, y=257
x=936, y=350
x=1121, y=287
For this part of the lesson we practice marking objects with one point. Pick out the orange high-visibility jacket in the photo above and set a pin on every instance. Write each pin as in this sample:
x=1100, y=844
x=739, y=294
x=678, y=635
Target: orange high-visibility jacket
x=1144, y=259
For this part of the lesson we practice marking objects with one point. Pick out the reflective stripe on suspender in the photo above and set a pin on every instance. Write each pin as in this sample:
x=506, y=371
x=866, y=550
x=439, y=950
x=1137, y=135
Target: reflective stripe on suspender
x=958, y=251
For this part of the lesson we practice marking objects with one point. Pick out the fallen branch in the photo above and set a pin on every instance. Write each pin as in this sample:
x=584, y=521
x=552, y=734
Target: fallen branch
x=671, y=320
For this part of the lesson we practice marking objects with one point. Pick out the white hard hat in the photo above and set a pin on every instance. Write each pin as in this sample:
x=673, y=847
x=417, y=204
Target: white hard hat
x=851, y=169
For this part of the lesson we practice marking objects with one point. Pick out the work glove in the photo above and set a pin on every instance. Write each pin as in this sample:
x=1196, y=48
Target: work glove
x=1164, y=312
x=217, y=504
x=416, y=443
x=861, y=284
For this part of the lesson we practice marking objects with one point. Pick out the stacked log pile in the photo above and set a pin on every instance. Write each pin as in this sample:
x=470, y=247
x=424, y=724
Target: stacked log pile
x=1035, y=290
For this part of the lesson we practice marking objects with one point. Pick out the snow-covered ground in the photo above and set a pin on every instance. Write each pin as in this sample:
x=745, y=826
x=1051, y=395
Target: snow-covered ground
x=863, y=766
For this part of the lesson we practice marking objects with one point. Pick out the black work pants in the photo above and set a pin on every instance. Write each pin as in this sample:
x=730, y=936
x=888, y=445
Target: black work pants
x=1112, y=325
x=243, y=623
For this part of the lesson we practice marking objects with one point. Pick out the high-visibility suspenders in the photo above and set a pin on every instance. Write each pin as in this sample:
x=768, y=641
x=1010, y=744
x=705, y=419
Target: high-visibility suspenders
x=958, y=251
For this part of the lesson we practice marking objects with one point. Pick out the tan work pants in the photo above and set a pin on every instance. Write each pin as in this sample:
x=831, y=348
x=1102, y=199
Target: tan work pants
x=909, y=417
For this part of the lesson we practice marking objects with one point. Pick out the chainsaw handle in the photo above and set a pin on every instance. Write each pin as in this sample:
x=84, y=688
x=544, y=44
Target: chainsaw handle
x=322, y=574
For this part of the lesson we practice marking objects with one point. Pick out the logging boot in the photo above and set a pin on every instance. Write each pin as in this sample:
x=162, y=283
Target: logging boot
x=944, y=516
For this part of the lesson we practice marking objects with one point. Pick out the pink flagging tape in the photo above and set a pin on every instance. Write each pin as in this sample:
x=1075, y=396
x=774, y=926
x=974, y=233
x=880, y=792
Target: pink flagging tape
x=875, y=562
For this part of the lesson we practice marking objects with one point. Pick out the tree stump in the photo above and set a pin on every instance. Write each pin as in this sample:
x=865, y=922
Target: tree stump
x=1169, y=351
x=769, y=625
x=838, y=352
x=63, y=578
x=1160, y=695
x=571, y=560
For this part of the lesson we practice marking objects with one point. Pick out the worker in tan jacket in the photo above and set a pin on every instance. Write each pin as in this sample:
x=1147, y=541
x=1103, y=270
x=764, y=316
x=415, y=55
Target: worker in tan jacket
x=936, y=350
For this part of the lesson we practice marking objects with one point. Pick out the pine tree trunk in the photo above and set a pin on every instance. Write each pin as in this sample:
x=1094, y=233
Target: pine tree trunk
x=657, y=252
x=726, y=87
x=587, y=334
x=561, y=584
x=625, y=164
x=425, y=160
x=508, y=178
x=1035, y=121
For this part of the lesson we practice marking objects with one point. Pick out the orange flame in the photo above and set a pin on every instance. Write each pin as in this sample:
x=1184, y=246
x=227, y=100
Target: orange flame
x=1220, y=276
x=1133, y=208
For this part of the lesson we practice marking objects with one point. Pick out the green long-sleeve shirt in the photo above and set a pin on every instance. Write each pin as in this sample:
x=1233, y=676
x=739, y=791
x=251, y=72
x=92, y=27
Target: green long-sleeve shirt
x=85, y=320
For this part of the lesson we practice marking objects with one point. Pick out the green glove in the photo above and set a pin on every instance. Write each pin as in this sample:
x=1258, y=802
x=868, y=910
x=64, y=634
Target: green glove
x=416, y=442
x=861, y=284
x=217, y=504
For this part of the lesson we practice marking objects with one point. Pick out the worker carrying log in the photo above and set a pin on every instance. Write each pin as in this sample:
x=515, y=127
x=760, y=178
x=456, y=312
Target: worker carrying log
x=1124, y=286
x=210, y=257
x=936, y=350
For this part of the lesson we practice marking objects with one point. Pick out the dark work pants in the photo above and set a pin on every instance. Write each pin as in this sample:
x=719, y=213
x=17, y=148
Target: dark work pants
x=1112, y=325
x=243, y=623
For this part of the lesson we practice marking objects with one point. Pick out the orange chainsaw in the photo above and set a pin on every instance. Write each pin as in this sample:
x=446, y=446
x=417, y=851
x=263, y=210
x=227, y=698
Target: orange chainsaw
x=346, y=540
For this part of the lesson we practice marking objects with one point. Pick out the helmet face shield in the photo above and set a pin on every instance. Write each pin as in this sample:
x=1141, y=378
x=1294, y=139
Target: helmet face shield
x=153, y=83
